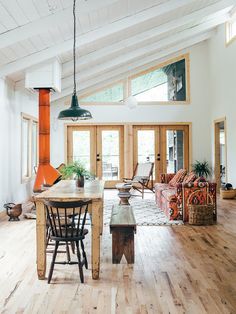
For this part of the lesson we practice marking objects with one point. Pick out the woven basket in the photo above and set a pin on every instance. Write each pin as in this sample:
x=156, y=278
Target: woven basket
x=201, y=215
x=228, y=194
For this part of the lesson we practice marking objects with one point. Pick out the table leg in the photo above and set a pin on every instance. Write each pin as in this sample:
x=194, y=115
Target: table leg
x=101, y=217
x=41, y=239
x=96, y=228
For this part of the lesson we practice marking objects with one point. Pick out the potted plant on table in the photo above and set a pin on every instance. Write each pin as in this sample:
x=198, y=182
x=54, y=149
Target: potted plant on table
x=75, y=170
x=201, y=169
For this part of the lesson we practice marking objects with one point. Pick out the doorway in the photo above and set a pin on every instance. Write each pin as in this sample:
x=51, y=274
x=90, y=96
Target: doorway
x=100, y=149
x=220, y=168
x=166, y=145
x=111, y=152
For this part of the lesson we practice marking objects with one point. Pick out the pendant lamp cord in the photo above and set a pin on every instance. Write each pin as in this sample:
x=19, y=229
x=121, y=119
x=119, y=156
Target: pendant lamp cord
x=74, y=45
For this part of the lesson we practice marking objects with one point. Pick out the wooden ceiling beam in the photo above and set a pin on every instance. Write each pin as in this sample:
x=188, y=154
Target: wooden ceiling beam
x=210, y=12
x=45, y=23
x=127, y=57
x=101, y=33
x=130, y=68
x=214, y=12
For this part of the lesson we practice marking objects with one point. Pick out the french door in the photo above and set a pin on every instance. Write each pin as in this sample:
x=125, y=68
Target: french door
x=167, y=146
x=100, y=149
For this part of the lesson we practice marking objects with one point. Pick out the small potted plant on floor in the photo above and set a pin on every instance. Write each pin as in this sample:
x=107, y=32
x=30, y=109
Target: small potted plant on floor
x=201, y=169
x=77, y=171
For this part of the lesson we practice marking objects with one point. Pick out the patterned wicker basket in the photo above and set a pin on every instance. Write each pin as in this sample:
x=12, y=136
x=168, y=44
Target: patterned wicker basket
x=201, y=215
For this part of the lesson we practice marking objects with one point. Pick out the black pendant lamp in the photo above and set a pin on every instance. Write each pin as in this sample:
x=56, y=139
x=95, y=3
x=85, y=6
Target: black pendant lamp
x=74, y=113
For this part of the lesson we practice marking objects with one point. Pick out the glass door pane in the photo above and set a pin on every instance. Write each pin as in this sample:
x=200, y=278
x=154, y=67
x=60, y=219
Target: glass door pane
x=110, y=155
x=81, y=147
x=146, y=145
x=174, y=150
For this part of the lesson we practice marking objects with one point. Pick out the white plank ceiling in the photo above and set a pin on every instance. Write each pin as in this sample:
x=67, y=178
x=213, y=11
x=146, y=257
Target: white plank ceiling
x=114, y=36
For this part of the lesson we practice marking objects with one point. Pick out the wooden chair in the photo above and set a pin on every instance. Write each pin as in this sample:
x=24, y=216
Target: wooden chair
x=59, y=168
x=142, y=178
x=49, y=243
x=67, y=220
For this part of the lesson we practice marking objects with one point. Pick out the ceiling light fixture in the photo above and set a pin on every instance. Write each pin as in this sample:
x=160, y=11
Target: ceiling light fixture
x=75, y=112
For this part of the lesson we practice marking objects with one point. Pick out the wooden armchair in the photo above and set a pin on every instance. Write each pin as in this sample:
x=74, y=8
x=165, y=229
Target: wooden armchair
x=142, y=178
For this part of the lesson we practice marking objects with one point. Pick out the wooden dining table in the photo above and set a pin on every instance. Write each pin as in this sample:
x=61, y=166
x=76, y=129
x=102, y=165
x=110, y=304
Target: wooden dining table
x=66, y=190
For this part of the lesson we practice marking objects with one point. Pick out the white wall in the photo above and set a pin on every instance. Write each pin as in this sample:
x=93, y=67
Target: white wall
x=12, y=103
x=223, y=93
x=198, y=112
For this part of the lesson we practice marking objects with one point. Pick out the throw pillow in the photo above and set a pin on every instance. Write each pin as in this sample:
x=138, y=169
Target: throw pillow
x=178, y=178
x=190, y=177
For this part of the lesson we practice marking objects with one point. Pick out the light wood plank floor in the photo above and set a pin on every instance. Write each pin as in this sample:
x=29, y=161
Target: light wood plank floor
x=179, y=269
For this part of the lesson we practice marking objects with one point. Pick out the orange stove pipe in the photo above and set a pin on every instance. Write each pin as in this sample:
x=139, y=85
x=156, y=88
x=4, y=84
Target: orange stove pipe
x=46, y=174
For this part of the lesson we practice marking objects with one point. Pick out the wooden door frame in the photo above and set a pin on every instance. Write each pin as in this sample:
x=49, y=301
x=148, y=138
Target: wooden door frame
x=217, y=151
x=95, y=147
x=128, y=139
x=160, y=144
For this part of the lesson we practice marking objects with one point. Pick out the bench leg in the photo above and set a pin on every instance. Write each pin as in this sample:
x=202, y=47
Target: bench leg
x=122, y=243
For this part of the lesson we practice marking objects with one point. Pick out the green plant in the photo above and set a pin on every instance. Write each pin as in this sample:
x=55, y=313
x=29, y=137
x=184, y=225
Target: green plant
x=201, y=169
x=76, y=168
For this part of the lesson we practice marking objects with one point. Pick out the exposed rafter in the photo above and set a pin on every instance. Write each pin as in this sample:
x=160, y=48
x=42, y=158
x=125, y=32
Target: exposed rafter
x=31, y=29
x=148, y=49
x=127, y=69
x=210, y=12
x=214, y=14
x=98, y=34
x=48, y=22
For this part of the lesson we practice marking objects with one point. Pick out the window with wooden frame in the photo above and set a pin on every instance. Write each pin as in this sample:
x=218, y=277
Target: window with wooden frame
x=167, y=82
x=231, y=29
x=109, y=94
x=29, y=146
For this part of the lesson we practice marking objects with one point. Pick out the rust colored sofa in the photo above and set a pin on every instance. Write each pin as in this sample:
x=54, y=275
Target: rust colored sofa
x=175, y=200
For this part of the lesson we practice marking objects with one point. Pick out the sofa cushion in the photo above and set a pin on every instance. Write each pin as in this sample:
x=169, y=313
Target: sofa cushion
x=178, y=178
x=190, y=177
x=169, y=195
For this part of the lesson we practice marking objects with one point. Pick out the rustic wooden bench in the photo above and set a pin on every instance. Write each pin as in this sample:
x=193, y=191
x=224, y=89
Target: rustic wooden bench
x=122, y=228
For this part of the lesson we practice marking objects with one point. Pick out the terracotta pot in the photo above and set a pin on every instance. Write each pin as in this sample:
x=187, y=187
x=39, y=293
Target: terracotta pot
x=80, y=181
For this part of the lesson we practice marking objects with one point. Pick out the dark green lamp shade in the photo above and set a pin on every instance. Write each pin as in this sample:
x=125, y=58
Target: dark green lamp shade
x=74, y=112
